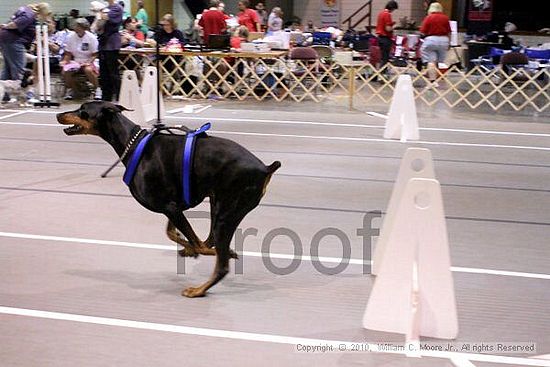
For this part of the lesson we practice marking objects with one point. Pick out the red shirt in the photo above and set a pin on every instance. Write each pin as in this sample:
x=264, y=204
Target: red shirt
x=384, y=19
x=249, y=18
x=435, y=24
x=212, y=22
x=236, y=42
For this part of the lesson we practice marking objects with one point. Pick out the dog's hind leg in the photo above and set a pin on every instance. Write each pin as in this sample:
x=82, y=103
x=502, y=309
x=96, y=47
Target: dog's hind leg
x=226, y=217
x=222, y=234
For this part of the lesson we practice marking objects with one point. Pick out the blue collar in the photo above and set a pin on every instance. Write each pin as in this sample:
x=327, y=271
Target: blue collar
x=187, y=161
x=135, y=158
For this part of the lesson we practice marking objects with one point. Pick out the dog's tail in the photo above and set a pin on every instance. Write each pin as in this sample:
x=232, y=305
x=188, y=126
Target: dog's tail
x=273, y=167
x=270, y=171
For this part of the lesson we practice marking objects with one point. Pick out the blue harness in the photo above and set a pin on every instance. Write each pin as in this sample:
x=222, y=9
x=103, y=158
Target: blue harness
x=187, y=160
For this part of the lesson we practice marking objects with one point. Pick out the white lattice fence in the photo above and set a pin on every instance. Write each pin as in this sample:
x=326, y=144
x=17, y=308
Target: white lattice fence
x=279, y=79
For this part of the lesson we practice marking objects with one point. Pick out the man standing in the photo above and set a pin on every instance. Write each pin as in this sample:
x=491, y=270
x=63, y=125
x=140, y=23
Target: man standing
x=384, y=31
x=109, y=46
x=212, y=21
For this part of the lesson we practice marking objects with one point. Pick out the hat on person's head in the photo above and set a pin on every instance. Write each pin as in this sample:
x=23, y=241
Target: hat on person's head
x=82, y=23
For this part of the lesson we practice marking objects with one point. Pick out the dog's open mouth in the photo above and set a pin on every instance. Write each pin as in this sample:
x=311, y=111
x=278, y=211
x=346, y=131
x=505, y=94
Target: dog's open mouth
x=72, y=130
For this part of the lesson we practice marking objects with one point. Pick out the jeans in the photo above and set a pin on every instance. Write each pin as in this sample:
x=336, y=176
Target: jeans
x=14, y=61
x=109, y=77
x=434, y=49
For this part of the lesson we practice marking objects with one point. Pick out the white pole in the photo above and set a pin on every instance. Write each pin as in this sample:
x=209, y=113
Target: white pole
x=40, y=65
x=46, y=62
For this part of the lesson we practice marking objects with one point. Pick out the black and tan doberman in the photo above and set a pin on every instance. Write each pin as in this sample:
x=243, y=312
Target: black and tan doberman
x=232, y=177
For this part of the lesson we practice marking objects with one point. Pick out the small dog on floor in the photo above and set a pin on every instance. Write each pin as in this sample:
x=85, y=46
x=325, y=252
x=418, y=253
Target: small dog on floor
x=233, y=178
x=16, y=87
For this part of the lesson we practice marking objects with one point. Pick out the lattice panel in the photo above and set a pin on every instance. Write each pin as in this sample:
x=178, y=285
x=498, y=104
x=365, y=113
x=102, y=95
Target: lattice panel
x=279, y=79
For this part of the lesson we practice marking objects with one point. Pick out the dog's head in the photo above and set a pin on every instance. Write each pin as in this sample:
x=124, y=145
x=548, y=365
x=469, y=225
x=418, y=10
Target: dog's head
x=91, y=118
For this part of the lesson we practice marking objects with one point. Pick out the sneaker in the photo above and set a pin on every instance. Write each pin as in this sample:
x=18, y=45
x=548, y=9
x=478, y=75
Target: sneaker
x=31, y=97
x=97, y=95
x=69, y=95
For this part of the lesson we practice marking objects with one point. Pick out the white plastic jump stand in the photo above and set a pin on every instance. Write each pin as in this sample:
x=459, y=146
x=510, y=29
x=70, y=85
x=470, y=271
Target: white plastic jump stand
x=416, y=163
x=130, y=97
x=402, y=121
x=43, y=64
x=149, y=92
x=414, y=292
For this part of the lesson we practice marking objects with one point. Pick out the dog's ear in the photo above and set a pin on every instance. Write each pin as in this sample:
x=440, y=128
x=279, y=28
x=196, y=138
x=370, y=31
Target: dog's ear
x=121, y=108
x=114, y=108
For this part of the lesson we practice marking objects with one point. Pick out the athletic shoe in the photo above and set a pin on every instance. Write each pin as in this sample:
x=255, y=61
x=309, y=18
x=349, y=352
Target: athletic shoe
x=98, y=93
x=69, y=95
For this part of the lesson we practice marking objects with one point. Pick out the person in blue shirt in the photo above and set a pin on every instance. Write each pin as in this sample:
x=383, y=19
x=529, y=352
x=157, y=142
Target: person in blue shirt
x=109, y=47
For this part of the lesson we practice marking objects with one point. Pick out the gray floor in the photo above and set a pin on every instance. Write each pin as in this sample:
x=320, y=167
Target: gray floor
x=496, y=193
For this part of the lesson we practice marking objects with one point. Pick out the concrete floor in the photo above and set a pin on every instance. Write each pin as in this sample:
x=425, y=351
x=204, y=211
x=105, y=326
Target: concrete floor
x=89, y=278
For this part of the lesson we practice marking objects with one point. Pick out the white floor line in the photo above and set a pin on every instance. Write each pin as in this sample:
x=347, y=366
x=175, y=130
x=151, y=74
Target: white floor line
x=462, y=362
x=338, y=138
x=324, y=259
x=296, y=122
x=12, y=114
x=320, y=137
x=376, y=114
x=202, y=109
x=258, y=337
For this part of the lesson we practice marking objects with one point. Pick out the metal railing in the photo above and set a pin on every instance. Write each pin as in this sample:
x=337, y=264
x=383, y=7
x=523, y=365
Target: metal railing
x=368, y=15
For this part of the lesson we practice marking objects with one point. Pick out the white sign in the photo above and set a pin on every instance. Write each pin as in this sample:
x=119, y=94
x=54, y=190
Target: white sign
x=330, y=13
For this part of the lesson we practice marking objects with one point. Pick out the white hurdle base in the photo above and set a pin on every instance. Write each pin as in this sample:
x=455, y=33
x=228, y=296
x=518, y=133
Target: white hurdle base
x=402, y=121
x=129, y=97
x=414, y=292
x=143, y=105
x=149, y=93
x=416, y=163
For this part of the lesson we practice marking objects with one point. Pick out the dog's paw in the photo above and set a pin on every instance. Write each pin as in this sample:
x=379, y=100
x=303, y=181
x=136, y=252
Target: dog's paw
x=188, y=252
x=192, y=292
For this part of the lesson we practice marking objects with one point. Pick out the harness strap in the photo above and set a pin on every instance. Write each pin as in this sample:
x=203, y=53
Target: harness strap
x=136, y=157
x=188, y=153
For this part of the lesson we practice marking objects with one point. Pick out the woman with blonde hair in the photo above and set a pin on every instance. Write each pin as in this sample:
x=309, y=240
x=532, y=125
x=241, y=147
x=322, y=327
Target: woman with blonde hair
x=436, y=30
x=16, y=36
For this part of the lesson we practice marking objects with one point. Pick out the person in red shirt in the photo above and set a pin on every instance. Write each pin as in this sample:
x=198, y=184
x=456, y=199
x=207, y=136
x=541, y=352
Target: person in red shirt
x=130, y=35
x=212, y=21
x=436, y=29
x=248, y=17
x=384, y=30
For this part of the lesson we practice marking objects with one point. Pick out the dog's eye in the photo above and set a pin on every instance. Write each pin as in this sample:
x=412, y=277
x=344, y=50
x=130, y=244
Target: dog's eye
x=83, y=115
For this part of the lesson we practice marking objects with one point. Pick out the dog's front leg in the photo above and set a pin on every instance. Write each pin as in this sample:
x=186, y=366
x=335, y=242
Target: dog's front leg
x=194, y=246
x=172, y=233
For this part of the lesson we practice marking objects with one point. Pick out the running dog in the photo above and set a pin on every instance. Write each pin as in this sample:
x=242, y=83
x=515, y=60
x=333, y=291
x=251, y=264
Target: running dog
x=232, y=177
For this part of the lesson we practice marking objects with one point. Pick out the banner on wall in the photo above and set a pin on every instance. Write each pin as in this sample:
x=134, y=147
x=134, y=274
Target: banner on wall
x=330, y=13
x=480, y=10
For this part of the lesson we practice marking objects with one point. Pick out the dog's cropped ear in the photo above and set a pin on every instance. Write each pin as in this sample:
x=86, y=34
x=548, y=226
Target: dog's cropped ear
x=115, y=108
